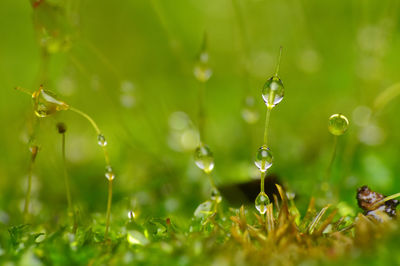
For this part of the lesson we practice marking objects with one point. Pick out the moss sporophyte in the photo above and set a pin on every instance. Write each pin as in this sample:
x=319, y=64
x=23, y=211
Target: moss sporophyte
x=46, y=103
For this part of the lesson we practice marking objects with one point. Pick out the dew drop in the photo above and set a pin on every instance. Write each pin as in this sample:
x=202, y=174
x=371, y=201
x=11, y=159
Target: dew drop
x=215, y=195
x=249, y=111
x=263, y=159
x=204, y=210
x=261, y=202
x=101, y=140
x=273, y=91
x=204, y=158
x=202, y=70
x=45, y=103
x=109, y=173
x=338, y=124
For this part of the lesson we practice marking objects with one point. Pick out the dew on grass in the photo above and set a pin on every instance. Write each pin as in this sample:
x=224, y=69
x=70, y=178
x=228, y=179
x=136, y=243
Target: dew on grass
x=273, y=91
x=338, y=124
x=101, y=140
x=204, y=158
x=109, y=173
x=45, y=103
x=263, y=159
x=261, y=202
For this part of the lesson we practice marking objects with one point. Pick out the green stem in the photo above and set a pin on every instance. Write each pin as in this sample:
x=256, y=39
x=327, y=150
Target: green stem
x=279, y=61
x=108, y=215
x=211, y=181
x=266, y=126
x=28, y=191
x=66, y=179
x=262, y=181
x=333, y=156
x=201, y=112
x=386, y=199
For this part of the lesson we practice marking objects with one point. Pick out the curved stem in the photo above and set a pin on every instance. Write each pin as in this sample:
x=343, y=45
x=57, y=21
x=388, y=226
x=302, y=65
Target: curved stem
x=108, y=215
x=87, y=117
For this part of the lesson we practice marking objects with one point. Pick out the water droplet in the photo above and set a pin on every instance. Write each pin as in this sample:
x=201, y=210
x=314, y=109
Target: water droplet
x=131, y=215
x=109, y=173
x=273, y=91
x=261, y=202
x=204, y=210
x=204, y=158
x=202, y=70
x=338, y=124
x=263, y=159
x=45, y=103
x=215, y=195
x=249, y=112
x=101, y=140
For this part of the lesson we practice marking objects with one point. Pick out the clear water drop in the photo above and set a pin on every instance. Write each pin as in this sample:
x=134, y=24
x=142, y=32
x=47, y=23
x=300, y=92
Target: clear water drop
x=215, y=195
x=204, y=158
x=202, y=71
x=338, y=124
x=273, y=91
x=101, y=140
x=262, y=202
x=204, y=210
x=249, y=111
x=109, y=173
x=45, y=103
x=263, y=159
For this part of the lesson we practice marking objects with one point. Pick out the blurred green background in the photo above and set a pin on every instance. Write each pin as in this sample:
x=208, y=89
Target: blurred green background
x=129, y=64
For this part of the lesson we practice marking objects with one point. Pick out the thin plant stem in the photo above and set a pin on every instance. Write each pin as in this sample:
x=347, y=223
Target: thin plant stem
x=386, y=199
x=201, y=117
x=211, y=181
x=106, y=157
x=279, y=61
x=262, y=181
x=107, y=160
x=333, y=156
x=34, y=151
x=108, y=215
x=66, y=179
x=28, y=191
x=267, y=116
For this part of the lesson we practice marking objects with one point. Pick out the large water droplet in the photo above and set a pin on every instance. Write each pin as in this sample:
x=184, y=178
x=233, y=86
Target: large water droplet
x=202, y=70
x=101, y=140
x=263, y=159
x=273, y=91
x=109, y=173
x=338, y=124
x=45, y=103
x=261, y=202
x=204, y=210
x=204, y=158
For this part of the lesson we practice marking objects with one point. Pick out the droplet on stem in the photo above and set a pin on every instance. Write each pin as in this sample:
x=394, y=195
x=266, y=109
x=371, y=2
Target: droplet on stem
x=204, y=158
x=215, y=195
x=262, y=202
x=263, y=159
x=338, y=124
x=109, y=173
x=202, y=71
x=45, y=103
x=273, y=91
x=101, y=140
